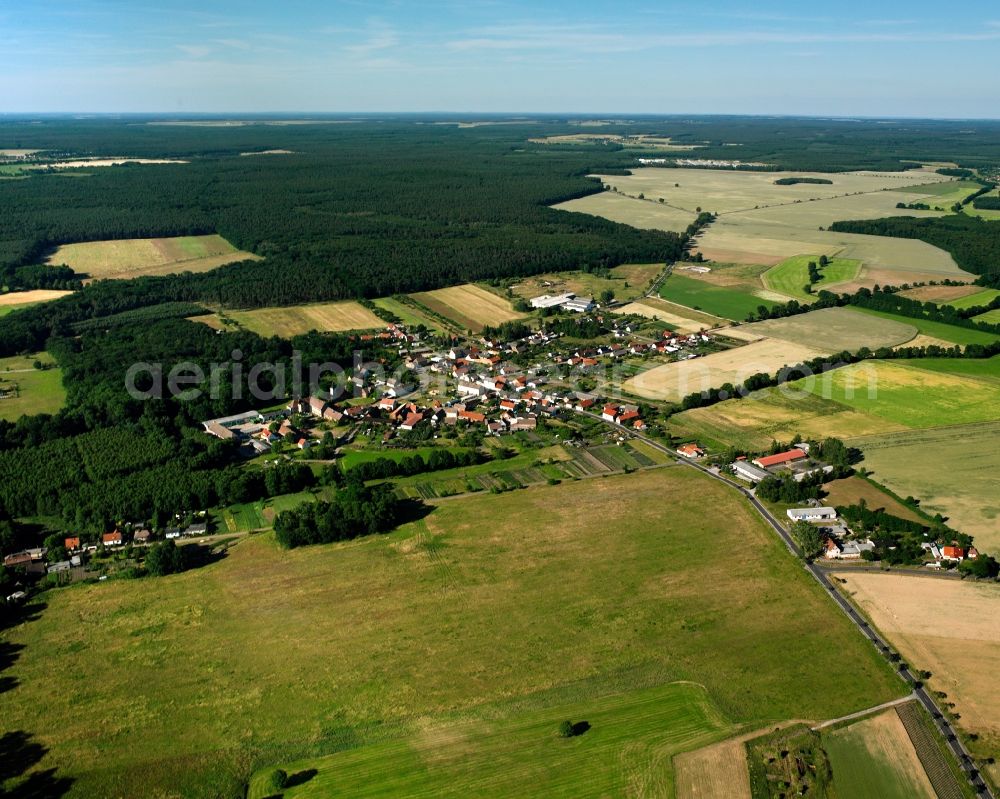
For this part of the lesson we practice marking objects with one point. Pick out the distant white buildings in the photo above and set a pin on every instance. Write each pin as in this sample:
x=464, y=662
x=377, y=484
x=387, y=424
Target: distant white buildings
x=811, y=514
x=549, y=301
x=568, y=301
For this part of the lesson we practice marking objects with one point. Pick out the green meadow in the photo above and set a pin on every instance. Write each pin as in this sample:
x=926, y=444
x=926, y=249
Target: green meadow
x=790, y=276
x=702, y=296
x=945, y=332
x=984, y=297
x=389, y=663
x=630, y=740
x=35, y=390
x=914, y=398
x=983, y=368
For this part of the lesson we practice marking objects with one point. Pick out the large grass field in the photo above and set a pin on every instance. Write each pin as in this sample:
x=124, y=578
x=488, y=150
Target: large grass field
x=914, y=398
x=128, y=258
x=716, y=300
x=874, y=759
x=952, y=470
x=791, y=275
x=629, y=744
x=470, y=306
x=297, y=319
x=37, y=390
x=982, y=368
x=834, y=330
x=942, y=196
x=939, y=330
x=468, y=635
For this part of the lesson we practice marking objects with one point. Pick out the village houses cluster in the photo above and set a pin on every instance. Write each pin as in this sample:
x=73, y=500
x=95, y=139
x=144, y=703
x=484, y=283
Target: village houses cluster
x=475, y=383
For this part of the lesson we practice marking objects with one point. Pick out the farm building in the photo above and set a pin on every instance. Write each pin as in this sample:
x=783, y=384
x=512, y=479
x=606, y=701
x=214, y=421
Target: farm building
x=579, y=305
x=811, y=514
x=690, y=450
x=749, y=472
x=550, y=301
x=781, y=459
x=952, y=553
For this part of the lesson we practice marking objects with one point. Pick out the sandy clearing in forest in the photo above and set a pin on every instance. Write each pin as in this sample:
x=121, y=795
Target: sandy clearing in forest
x=31, y=297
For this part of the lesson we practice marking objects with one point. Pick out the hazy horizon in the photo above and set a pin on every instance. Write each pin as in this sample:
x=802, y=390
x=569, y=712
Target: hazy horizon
x=490, y=56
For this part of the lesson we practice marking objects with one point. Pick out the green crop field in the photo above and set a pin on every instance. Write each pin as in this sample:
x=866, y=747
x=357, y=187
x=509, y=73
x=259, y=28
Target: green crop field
x=914, y=398
x=33, y=391
x=943, y=194
x=983, y=368
x=874, y=759
x=990, y=317
x=454, y=639
x=703, y=296
x=790, y=276
x=952, y=470
x=945, y=332
x=984, y=297
x=523, y=756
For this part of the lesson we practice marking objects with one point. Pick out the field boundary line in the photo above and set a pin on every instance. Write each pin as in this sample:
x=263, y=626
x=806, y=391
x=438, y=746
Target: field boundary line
x=866, y=712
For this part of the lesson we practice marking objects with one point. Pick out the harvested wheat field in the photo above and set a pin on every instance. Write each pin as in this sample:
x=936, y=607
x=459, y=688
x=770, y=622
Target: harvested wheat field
x=948, y=627
x=128, y=258
x=941, y=294
x=834, y=330
x=718, y=771
x=727, y=190
x=17, y=298
x=298, y=319
x=647, y=214
x=471, y=306
x=663, y=312
x=851, y=490
x=672, y=381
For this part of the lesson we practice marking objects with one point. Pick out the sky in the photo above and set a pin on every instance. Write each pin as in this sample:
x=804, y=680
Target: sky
x=842, y=57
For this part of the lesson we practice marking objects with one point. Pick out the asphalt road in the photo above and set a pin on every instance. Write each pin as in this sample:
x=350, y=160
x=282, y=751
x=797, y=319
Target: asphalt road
x=941, y=722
